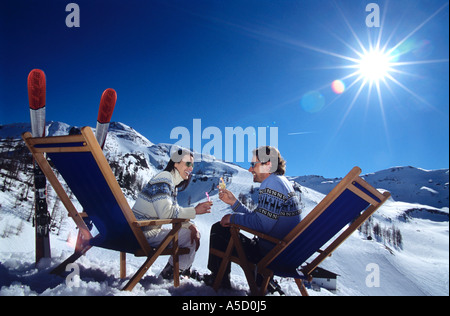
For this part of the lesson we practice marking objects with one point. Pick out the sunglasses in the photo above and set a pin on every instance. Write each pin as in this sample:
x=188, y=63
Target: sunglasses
x=189, y=164
x=254, y=163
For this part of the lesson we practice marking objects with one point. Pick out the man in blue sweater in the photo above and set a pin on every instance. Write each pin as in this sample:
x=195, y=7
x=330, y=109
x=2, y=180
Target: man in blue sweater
x=278, y=211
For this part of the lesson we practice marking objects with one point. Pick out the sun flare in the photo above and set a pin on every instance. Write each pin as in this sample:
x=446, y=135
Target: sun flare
x=374, y=65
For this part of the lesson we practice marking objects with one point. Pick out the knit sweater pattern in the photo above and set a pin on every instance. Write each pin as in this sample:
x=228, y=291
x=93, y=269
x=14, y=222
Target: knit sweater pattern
x=158, y=200
x=278, y=211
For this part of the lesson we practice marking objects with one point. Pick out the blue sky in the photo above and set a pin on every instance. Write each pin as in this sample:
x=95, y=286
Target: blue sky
x=247, y=63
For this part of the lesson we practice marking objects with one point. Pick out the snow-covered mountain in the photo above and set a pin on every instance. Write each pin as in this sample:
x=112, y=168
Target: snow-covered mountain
x=407, y=184
x=414, y=264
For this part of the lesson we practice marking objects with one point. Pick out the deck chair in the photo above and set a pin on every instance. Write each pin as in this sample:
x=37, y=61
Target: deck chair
x=81, y=163
x=334, y=219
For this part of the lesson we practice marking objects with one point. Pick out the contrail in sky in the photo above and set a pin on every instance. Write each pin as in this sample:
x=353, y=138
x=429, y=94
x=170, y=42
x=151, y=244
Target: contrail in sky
x=299, y=133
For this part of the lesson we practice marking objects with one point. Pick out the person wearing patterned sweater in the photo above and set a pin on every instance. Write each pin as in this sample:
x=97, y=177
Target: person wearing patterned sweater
x=158, y=200
x=278, y=211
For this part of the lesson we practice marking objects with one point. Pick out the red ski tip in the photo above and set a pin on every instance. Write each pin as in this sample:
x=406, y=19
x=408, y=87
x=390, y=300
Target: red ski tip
x=107, y=103
x=36, y=89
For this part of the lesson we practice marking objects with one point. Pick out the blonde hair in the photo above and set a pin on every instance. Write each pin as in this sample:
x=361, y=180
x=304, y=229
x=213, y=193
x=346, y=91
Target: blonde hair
x=269, y=153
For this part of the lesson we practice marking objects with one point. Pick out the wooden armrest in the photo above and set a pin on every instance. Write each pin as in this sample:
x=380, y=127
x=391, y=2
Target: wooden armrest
x=259, y=234
x=321, y=251
x=154, y=222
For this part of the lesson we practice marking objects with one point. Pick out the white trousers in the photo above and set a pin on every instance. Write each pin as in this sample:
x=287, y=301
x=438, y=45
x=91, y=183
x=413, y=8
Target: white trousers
x=184, y=241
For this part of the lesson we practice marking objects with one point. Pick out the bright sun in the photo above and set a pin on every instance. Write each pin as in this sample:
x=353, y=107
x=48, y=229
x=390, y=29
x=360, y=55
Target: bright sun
x=374, y=65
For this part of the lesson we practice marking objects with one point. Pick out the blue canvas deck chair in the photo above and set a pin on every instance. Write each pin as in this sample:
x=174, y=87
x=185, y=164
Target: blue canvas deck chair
x=334, y=219
x=81, y=163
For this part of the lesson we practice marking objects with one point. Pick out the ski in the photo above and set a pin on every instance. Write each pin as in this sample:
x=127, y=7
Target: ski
x=105, y=111
x=36, y=97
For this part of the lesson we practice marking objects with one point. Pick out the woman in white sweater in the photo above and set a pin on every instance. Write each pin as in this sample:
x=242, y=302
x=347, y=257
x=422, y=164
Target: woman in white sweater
x=158, y=200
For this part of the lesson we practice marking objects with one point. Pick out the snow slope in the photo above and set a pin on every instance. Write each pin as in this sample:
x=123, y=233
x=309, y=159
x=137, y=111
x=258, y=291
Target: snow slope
x=419, y=209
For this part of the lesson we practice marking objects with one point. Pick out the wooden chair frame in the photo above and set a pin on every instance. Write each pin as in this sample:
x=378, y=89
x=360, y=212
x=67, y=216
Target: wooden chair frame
x=86, y=142
x=351, y=182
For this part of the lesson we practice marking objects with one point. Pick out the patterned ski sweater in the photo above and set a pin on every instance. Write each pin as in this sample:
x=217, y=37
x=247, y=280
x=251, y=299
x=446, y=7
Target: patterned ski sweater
x=158, y=200
x=278, y=210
